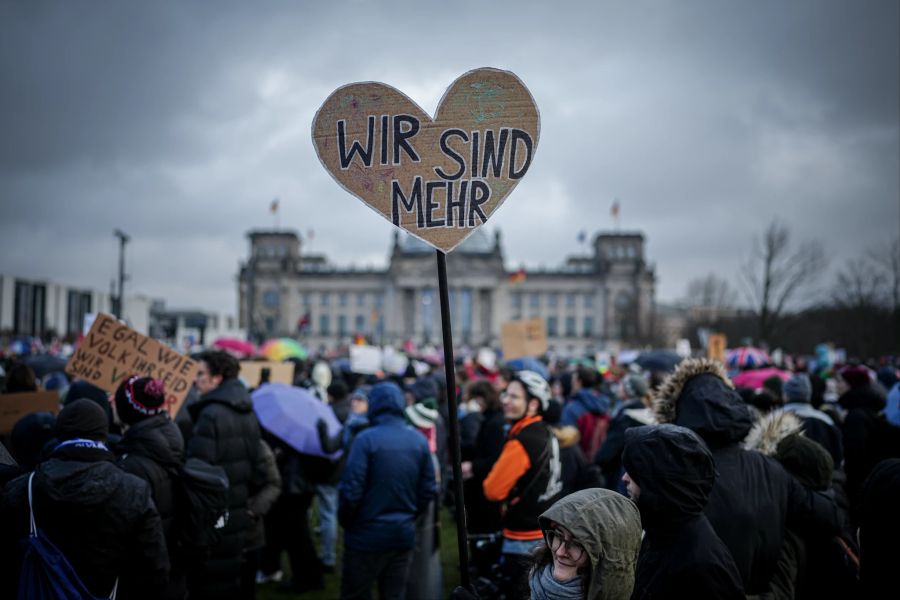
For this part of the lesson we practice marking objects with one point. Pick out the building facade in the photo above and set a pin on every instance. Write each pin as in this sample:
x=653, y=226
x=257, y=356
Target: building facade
x=603, y=300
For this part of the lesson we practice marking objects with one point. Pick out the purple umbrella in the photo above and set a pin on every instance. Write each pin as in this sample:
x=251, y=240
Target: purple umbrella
x=290, y=413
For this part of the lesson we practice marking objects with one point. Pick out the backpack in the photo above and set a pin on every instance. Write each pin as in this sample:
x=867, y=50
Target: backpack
x=46, y=572
x=593, y=428
x=202, y=508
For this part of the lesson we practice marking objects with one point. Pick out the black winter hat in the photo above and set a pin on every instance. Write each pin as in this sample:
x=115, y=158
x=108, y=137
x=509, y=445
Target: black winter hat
x=140, y=397
x=82, y=418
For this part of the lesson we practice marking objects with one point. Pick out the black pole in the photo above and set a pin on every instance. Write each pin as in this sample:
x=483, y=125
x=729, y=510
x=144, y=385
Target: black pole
x=455, y=457
x=120, y=303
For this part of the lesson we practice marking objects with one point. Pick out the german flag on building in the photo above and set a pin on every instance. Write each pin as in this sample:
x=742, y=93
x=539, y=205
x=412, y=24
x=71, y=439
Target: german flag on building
x=517, y=277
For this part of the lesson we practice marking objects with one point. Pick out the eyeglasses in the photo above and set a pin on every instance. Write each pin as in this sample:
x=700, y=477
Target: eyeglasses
x=555, y=539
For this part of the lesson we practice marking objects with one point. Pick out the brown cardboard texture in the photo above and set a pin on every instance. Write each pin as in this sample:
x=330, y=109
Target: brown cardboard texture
x=111, y=352
x=15, y=406
x=523, y=338
x=439, y=179
x=715, y=347
x=252, y=372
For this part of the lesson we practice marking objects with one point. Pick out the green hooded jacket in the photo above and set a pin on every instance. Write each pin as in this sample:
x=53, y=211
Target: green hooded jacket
x=608, y=525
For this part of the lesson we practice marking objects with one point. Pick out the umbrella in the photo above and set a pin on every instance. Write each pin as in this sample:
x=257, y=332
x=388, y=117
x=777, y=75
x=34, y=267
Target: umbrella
x=42, y=364
x=754, y=378
x=283, y=348
x=658, y=360
x=746, y=357
x=236, y=346
x=529, y=363
x=290, y=413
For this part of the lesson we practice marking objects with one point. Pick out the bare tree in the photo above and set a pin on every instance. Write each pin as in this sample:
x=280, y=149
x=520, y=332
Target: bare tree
x=710, y=292
x=859, y=286
x=776, y=273
x=887, y=258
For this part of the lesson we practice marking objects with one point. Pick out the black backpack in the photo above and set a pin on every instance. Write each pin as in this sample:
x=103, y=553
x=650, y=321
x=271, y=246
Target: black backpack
x=202, y=509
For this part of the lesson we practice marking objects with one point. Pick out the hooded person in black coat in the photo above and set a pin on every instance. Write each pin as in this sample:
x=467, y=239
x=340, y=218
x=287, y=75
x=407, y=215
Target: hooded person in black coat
x=152, y=448
x=226, y=434
x=100, y=517
x=670, y=473
x=754, y=497
x=879, y=529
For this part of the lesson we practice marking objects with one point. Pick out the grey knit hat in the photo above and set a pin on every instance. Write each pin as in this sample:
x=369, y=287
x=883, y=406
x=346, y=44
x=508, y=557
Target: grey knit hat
x=798, y=389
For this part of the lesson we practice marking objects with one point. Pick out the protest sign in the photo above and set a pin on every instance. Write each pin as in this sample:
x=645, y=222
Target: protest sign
x=715, y=347
x=112, y=352
x=439, y=179
x=15, y=406
x=523, y=338
x=256, y=372
x=365, y=359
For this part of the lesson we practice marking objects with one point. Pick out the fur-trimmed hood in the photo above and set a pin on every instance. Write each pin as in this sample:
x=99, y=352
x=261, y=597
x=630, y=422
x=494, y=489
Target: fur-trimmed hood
x=699, y=396
x=768, y=432
x=567, y=436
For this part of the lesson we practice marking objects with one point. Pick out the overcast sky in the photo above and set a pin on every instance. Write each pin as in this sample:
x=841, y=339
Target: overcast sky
x=179, y=122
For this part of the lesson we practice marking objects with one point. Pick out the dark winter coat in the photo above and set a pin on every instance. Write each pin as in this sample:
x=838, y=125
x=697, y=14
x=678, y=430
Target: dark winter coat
x=577, y=472
x=153, y=449
x=879, y=529
x=609, y=455
x=868, y=439
x=100, y=517
x=813, y=565
x=388, y=479
x=754, y=498
x=265, y=488
x=484, y=516
x=226, y=434
x=681, y=555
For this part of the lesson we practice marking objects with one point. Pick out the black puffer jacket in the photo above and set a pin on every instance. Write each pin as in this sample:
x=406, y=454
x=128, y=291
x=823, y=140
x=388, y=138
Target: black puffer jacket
x=226, y=433
x=754, y=498
x=153, y=449
x=681, y=556
x=102, y=518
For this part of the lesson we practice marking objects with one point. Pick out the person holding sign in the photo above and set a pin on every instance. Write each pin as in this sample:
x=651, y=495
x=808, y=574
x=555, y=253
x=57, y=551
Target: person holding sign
x=527, y=478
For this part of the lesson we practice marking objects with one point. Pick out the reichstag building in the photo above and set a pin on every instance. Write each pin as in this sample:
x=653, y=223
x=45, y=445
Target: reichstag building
x=602, y=300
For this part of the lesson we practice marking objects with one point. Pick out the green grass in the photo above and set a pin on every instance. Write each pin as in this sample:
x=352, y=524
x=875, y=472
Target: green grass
x=449, y=560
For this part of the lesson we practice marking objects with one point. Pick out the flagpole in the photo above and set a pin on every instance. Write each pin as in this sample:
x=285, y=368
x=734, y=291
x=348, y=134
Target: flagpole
x=452, y=410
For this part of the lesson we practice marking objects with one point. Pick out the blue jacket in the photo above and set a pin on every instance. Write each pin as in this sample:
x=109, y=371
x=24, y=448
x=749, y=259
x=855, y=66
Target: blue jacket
x=389, y=478
x=585, y=401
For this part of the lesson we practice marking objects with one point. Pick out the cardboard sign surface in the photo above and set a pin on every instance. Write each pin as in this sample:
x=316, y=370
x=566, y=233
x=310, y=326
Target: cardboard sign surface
x=252, y=372
x=523, y=338
x=112, y=351
x=439, y=179
x=15, y=406
x=715, y=347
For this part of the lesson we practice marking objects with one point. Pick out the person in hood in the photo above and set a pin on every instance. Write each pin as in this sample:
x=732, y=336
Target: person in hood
x=591, y=544
x=577, y=472
x=101, y=518
x=753, y=496
x=226, y=434
x=526, y=479
x=670, y=473
x=587, y=410
x=389, y=479
x=152, y=448
x=631, y=412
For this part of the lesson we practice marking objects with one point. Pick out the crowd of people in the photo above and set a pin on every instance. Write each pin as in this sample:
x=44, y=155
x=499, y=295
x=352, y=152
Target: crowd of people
x=578, y=482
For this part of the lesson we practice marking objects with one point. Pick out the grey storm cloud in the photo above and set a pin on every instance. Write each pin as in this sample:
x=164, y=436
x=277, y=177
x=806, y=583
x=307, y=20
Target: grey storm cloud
x=180, y=122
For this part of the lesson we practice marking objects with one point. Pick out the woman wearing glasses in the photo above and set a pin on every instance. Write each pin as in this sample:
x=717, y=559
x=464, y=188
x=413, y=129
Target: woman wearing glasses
x=591, y=543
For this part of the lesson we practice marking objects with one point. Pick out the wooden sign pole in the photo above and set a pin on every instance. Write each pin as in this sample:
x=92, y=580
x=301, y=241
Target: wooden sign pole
x=455, y=455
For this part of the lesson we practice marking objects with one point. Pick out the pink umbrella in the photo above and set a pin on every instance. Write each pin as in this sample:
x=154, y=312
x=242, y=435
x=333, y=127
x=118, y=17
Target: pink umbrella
x=238, y=347
x=754, y=378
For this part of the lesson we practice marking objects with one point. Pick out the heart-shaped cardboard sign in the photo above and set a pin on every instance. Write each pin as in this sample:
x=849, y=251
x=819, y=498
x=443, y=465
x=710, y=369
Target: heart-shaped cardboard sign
x=439, y=179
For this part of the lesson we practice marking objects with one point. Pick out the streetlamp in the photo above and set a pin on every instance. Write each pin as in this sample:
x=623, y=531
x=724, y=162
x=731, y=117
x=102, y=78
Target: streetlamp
x=123, y=239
